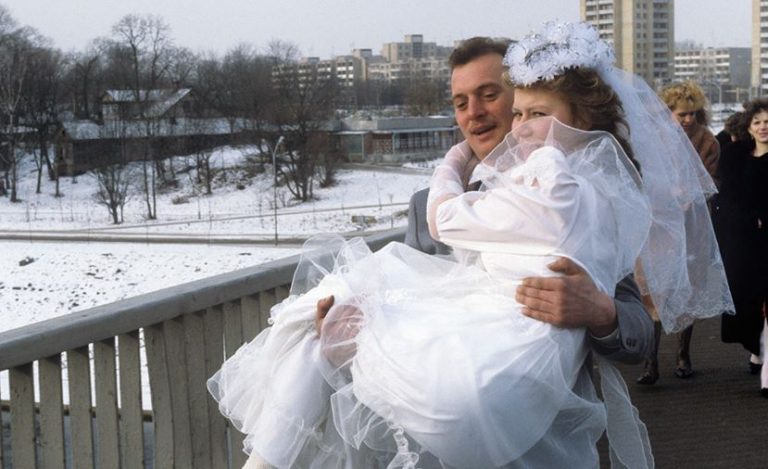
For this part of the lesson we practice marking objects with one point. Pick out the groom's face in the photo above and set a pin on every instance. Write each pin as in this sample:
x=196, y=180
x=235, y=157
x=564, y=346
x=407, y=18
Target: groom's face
x=482, y=102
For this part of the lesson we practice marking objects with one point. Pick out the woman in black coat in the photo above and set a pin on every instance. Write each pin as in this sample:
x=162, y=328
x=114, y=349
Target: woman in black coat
x=740, y=218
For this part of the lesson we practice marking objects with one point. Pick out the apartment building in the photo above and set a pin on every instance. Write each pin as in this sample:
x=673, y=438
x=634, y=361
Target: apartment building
x=642, y=34
x=413, y=48
x=413, y=69
x=346, y=69
x=759, y=67
x=399, y=61
x=723, y=72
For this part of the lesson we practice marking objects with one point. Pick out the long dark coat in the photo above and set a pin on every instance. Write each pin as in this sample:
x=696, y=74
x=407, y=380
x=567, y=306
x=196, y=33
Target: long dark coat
x=740, y=217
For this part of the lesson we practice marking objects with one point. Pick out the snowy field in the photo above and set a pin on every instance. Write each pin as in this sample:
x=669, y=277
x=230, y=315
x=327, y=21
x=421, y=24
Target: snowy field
x=43, y=279
x=71, y=276
x=186, y=209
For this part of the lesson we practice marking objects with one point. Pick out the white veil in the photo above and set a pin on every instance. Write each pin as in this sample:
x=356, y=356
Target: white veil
x=680, y=264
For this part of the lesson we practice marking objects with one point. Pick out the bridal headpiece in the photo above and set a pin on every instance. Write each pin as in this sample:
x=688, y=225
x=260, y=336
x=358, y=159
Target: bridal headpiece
x=556, y=48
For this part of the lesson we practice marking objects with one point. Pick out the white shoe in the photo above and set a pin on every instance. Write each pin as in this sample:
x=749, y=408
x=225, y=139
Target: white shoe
x=255, y=462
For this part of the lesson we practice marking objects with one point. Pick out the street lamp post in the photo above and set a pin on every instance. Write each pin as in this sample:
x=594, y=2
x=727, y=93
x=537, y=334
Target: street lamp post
x=719, y=91
x=714, y=82
x=274, y=169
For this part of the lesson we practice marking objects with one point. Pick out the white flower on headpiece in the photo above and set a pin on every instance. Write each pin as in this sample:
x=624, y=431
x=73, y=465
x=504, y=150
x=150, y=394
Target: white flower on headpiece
x=555, y=49
x=557, y=33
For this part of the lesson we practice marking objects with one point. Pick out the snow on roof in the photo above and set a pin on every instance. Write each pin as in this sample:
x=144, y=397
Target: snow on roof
x=401, y=123
x=89, y=130
x=160, y=100
x=82, y=130
x=129, y=96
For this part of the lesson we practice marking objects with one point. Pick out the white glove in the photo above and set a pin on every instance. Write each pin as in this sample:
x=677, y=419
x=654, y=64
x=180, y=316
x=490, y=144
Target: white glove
x=449, y=180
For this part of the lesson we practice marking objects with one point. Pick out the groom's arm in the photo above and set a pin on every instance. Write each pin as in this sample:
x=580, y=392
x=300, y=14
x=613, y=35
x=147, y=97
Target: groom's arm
x=632, y=341
x=620, y=328
x=624, y=331
x=417, y=234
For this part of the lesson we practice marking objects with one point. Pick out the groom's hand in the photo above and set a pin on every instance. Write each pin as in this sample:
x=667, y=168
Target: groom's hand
x=569, y=301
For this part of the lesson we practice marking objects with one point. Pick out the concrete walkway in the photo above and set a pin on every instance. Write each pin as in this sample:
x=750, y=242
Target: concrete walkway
x=715, y=419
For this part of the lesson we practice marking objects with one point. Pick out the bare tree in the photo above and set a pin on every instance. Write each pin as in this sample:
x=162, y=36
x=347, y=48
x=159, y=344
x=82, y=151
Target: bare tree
x=182, y=64
x=144, y=45
x=16, y=46
x=304, y=101
x=40, y=105
x=282, y=52
x=204, y=171
x=425, y=96
x=237, y=87
x=329, y=164
x=84, y=81
x=114, y=183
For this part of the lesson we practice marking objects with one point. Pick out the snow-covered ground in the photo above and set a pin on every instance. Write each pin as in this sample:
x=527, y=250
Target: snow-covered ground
x=71, y=276
x=64, y=277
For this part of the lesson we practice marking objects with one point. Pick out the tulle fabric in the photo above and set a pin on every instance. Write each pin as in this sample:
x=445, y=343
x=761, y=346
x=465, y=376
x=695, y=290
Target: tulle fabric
x=680, y=265
x=428, y=362
x=460, y=371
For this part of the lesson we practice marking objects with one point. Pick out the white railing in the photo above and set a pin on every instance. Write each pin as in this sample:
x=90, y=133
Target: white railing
x=187, y=332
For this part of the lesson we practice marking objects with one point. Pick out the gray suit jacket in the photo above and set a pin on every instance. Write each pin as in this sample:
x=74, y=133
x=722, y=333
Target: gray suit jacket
x=635, y=340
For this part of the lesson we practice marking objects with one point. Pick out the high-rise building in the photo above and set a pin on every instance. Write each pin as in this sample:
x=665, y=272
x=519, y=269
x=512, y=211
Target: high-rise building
x=412, y=48
x=759, y=47
x=345, y=69
x=723, y=72
x=642, y=33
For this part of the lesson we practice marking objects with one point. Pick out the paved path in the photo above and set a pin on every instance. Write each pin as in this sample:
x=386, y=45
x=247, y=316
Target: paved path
x=716, y=419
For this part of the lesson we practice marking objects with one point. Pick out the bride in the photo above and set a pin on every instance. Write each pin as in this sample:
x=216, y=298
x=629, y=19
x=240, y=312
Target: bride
x=427, y=361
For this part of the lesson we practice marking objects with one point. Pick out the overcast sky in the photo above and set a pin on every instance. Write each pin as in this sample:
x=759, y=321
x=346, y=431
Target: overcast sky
x=326, y=28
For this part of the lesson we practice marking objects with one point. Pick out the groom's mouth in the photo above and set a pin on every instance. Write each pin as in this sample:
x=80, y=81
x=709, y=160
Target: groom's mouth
x=483, y=129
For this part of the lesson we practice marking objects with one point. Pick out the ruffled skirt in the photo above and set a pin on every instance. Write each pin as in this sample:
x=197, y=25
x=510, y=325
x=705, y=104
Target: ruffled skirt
x=423, y=363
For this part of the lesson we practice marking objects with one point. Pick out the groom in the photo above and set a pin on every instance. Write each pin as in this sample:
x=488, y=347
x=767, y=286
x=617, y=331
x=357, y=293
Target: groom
x=619, y=328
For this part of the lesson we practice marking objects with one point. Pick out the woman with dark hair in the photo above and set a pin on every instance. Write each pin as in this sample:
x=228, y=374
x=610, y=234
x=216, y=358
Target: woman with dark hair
x=734, y=130
x=741, y=224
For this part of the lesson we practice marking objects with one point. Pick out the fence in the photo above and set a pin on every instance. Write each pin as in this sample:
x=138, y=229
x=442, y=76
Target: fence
x=96, y=355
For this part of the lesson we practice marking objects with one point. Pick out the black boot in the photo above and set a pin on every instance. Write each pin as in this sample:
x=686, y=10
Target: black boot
x=684, y=369
x=651, y=373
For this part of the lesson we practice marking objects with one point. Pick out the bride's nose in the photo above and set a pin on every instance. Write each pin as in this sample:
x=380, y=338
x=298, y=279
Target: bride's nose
x=521, y=130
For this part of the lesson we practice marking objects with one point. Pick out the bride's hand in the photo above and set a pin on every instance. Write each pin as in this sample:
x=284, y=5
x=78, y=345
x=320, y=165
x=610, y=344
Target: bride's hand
x=337, y=328
x=449, y=179
x=570, y=301
x=321, y=311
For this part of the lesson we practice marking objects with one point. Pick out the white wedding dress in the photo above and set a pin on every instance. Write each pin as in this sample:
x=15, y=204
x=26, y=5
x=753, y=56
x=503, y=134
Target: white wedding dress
x=427, y=361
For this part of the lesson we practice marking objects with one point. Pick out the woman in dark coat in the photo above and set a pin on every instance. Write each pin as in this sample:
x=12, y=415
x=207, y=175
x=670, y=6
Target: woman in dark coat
x=734, y=129
x=741, y=222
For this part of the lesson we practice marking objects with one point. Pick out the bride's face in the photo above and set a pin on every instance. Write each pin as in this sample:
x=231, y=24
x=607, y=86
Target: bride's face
x=531, y=103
